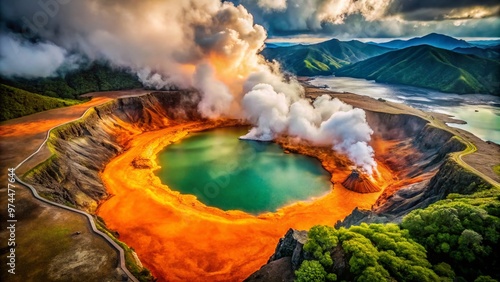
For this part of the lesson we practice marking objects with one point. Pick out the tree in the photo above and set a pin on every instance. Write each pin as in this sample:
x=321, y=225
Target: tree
x=458, y=233
x=310, y=271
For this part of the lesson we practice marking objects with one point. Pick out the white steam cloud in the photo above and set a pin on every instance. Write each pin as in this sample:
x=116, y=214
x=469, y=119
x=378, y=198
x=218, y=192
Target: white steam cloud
x=208, y=45
x=27, y=59
x=325, y=122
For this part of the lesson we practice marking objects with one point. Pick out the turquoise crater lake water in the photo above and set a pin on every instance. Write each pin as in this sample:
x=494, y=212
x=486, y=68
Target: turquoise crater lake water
x=231, y=174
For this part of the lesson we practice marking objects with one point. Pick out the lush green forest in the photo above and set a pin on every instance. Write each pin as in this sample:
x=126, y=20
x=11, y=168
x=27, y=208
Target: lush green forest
x=430, y=67
x=456, y=239
x=322, y=58
x=22, y=96
x=17, y=103
x=96, y=76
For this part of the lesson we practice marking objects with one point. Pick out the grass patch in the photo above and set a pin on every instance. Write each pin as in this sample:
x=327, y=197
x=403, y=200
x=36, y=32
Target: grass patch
x=17, y=103
x=496, y=169
x=39, y=167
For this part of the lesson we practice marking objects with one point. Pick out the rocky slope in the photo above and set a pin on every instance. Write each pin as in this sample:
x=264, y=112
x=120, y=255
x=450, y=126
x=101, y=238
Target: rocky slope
x=436, y=175
x=444, y=175
x=83, y=148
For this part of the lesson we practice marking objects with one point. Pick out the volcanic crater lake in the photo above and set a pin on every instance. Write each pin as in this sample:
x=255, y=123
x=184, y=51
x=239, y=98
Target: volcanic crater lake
x=232, y=174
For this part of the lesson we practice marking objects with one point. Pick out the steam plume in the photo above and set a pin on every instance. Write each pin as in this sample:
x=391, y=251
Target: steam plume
x=205, y=44
x=326, y=122
x=28, y=59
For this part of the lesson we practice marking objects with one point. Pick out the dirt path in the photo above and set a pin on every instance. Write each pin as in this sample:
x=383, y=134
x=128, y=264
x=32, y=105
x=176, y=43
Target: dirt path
x=19, y=139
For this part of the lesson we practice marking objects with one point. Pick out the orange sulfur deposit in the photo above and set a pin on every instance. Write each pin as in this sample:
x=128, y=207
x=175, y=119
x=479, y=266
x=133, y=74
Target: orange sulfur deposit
x=180, y=239
x=359, y=183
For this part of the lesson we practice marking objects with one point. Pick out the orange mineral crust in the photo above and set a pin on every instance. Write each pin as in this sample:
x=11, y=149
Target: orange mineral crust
x=180, y=239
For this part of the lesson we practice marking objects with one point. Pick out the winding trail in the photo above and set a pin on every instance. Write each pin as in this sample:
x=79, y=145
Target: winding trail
x=93, y=227
x=457, y=156
x=434, y=119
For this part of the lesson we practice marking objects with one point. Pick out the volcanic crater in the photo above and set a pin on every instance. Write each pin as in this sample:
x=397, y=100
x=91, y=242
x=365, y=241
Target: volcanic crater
x=104, y=163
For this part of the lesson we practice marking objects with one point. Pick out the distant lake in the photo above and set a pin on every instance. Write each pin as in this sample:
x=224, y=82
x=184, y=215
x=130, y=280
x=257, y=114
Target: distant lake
x=485, y=123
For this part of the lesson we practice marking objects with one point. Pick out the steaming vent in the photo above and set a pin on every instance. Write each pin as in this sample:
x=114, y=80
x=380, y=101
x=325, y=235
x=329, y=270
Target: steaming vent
x=358, y=182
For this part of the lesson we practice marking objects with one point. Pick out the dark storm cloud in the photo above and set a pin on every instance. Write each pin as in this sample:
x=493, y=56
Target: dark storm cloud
x=375, y=18
x=437, y=9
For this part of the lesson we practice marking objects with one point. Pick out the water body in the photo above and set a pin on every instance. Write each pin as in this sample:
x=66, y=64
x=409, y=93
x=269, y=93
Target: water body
x=481, y=112
x=232, y=174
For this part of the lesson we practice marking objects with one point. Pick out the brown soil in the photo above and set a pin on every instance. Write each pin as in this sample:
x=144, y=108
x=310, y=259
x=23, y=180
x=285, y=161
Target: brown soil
x=46, y=249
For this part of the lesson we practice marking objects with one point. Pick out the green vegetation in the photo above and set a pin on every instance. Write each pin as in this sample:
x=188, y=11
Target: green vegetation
x=430, y=67
x=489, y=53
x=312, y=270
x=22, y=96
x=496, y=169
x=95, y=77
x=17, y=103
x=374, y=252
x=322, y=58
x=462, y=232
x=452, y=240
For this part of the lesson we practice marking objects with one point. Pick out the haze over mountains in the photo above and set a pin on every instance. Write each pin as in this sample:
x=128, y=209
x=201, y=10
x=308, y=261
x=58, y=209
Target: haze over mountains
x=433, y=61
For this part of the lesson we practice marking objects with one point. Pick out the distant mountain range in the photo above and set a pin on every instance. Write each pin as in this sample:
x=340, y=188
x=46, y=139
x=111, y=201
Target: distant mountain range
x=322, y=58
x=279, y=44
x=433, y=61
x=430, y=67
x=433, y=39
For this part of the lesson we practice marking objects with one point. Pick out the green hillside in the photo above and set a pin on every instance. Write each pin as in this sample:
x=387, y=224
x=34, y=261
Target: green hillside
x=430, y=67
x=94, y=77
x=17, y=103
x=322, y=58
x=455, y=239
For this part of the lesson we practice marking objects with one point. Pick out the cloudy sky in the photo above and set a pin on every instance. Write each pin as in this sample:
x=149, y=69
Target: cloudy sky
x=376, y=18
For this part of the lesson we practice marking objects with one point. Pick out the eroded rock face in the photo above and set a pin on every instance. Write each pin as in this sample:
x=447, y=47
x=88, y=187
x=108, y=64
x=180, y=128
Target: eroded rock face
x=82, y=148
x=291, y=246
x=444, y=176
x=287, y=258
x=276, y=271
x=434, y=146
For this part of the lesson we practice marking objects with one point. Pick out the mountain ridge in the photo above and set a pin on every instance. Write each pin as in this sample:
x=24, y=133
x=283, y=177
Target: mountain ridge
x=322, y=58
x=430, y=67
x=433, y=39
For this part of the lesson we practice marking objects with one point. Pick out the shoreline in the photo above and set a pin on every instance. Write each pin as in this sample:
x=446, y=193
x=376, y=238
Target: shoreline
x=187, y=212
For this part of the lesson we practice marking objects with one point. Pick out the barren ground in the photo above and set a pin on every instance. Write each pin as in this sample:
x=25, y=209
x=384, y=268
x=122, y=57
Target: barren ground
x=46, y=249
